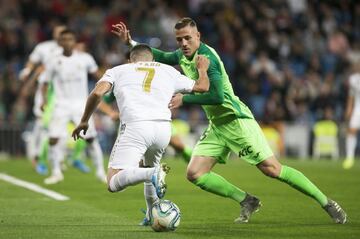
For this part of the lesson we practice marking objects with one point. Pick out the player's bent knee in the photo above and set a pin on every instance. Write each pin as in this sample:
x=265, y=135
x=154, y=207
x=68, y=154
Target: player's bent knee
x=192, y=175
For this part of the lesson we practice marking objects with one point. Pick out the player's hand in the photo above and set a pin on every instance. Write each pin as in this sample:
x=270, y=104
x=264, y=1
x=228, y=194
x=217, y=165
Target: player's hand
x=202, y=63
x=83, y=126
x=122, y=32
x=176, y=101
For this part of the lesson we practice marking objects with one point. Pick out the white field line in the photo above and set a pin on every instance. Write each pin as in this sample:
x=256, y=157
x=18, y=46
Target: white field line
x=33, y=187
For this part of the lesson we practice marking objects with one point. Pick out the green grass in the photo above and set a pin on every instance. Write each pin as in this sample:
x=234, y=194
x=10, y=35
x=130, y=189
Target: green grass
x=92, y=212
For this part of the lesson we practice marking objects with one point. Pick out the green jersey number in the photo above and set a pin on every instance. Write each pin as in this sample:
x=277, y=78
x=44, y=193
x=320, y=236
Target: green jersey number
x=150, y=72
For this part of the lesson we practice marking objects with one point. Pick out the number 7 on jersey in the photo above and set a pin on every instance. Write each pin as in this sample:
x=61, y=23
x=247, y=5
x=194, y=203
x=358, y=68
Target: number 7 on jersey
x=150, y=72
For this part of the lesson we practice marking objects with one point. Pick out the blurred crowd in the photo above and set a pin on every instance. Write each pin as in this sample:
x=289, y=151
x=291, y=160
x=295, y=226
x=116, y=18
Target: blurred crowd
x=289, y=60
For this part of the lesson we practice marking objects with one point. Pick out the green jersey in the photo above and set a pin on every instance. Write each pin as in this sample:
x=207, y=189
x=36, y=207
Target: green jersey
x=220, y=102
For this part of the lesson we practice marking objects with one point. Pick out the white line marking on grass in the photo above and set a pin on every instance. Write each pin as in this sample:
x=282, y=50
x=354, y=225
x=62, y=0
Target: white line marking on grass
x=33, y=187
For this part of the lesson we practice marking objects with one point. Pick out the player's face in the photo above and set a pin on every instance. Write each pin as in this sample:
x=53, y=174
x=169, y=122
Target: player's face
x=68, y=42
x=188, y=39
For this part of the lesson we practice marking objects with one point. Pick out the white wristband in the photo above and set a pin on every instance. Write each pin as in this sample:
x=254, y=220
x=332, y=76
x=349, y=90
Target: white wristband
x=133, y=43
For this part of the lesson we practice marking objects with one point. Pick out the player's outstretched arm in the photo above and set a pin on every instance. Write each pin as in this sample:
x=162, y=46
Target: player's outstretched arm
x=121, y=30
x=123, y=33
x=92, y=102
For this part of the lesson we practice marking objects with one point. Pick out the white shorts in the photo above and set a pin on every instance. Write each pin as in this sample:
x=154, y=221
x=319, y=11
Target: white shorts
x=355, y=121
x=142, y=140
x=58, y=127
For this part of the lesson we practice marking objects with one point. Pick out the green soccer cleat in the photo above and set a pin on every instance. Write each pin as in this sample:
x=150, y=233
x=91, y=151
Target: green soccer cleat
x=249, y=205
x=335, y=212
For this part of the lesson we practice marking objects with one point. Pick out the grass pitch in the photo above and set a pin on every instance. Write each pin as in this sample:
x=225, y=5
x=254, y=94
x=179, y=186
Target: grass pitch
x=92, y=212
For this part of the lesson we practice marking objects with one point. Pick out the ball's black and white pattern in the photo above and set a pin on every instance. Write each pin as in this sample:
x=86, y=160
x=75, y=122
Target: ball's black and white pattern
x=165, y=216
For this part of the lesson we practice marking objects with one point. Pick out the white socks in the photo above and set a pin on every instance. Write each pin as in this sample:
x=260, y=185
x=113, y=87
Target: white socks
x=97, y=156
x=56, y=156
x=150, y=196
x=351, y=141
x=128, y=177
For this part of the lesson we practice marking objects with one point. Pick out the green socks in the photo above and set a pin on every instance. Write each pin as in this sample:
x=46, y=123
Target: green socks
x=218, y=185
x=79, y=148
x=186, y=154
x=298, y=181
x=44, y=152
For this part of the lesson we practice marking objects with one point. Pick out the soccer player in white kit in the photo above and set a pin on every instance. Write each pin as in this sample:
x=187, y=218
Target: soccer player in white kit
x=41, y=54
x=143, y=89
x=68, y=73
x=353, y=115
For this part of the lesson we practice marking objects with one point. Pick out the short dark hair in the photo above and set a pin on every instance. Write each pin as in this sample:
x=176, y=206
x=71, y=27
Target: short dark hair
x=139, y=49
x=183, y=22
x=67, y=31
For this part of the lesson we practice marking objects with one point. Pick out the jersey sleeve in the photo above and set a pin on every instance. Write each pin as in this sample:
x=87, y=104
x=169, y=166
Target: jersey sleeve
x=108, y=77
x=170, y=58
x=35, y=55
x=215, y=95
x=182, y=83
x=91, y=66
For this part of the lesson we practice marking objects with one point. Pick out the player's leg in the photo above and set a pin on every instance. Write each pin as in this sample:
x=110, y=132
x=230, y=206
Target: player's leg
x=128, y=150
x=77, y=156
x=97, y=157
x=180, y=147
x=351, y=141
x=294, y=178
x=57, y=132
x=56, y=154
x=257, y=151
x=152, y=158
x=211, y=150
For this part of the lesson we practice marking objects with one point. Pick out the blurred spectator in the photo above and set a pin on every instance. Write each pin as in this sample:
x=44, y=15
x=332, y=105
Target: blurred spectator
x=278, y=53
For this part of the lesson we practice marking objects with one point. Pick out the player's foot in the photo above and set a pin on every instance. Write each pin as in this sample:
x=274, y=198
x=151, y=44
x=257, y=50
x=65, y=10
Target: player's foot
x=81, y=166
x=335, y=212
x=158, y=179
x=41, y=169
x=146, y=221
x=348, y=163
x=249, y=205
x=53, y=179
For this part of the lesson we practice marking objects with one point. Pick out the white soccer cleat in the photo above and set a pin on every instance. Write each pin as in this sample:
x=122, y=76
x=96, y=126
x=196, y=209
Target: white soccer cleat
x=158, y=179
x=54, y=179
x=335, y=212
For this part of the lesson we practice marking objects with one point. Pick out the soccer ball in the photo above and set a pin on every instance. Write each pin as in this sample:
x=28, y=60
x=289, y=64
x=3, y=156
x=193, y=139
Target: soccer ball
x=164, y=216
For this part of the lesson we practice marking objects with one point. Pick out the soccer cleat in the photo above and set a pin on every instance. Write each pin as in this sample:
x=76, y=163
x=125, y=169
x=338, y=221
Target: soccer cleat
x=335, y=212
x=54, y=179
x=145, y=222
x=158, y=179
x=41, y=169
x=81, y=166
x=249, y=205
x=348, y=163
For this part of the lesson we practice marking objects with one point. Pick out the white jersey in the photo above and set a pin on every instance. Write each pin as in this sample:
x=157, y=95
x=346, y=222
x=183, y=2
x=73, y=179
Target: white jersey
x=143, y=90
x=42, y=54
x=44, y=51
x=354, y=82
x=69, y=75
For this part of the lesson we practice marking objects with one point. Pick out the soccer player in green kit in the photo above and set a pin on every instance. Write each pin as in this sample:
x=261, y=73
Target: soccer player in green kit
x=232, y=127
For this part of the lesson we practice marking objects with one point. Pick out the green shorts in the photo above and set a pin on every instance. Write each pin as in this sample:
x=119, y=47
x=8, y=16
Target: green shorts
x=242, y=136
